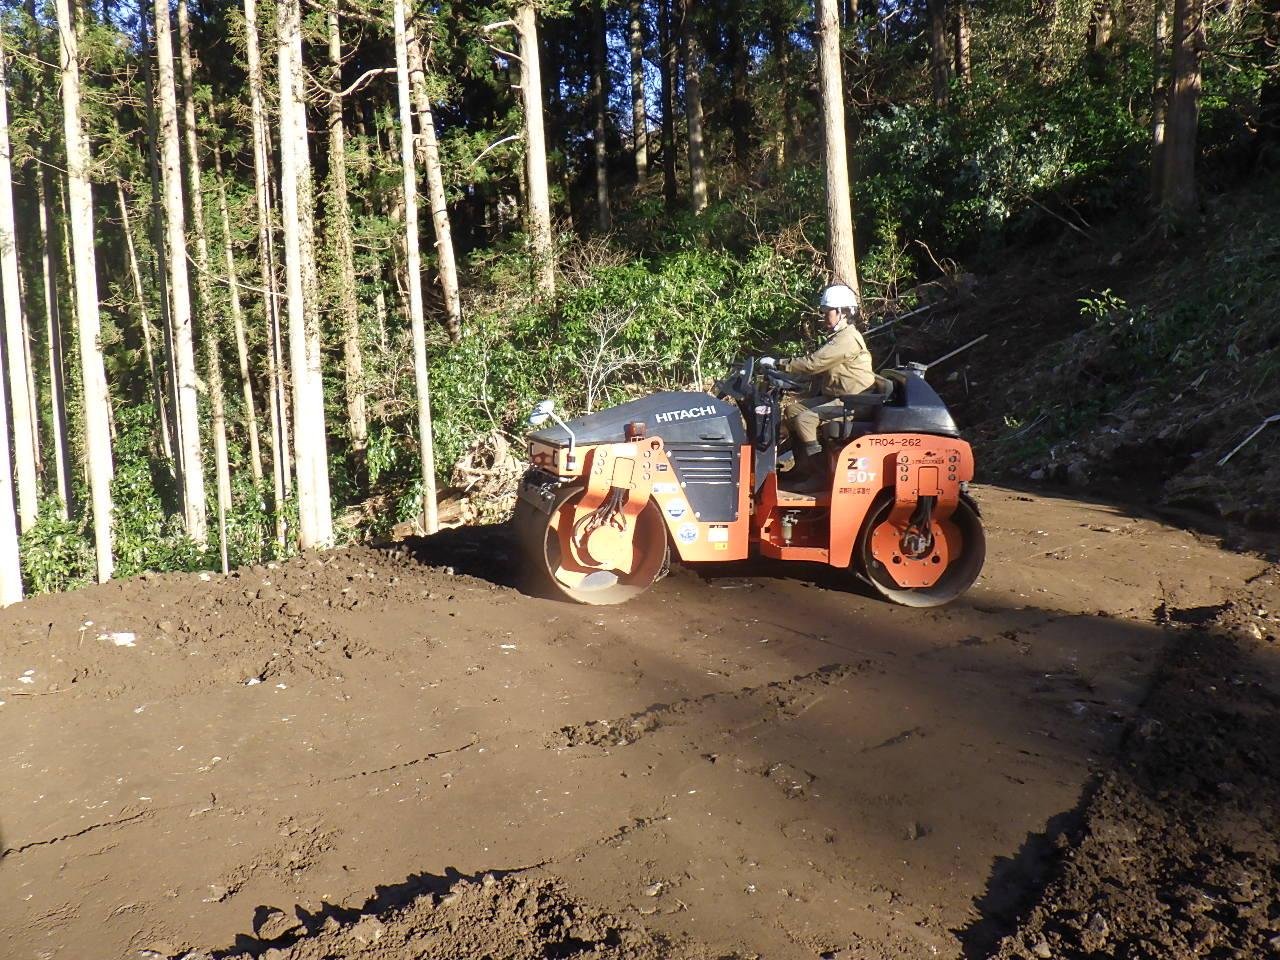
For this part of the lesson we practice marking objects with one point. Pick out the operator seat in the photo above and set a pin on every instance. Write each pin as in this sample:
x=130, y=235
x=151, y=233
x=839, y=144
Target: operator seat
x=858, y=414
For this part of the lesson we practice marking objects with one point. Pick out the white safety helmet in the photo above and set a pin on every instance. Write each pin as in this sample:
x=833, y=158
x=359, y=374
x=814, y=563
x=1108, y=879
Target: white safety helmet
x=839, y=297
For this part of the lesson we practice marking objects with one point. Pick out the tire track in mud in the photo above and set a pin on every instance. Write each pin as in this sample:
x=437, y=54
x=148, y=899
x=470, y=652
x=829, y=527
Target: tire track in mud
x=92, y=828
x=780, y=700
x=629, y=830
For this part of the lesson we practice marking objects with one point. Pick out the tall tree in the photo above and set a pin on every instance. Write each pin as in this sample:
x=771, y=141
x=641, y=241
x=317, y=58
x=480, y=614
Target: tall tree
x=53, y=338
x=237, y=323
x=639, y=114
x=315, y=517
x=962, y=39
x=213, y=363
x=780, y=36
x=222, y=466
x=195, y=179
x=429, y=157
x=600, y=98
x=413, y=270
x=340, y=213
x=691, y=54
x=1159, y=93
x=153, y=372
x=41, y=174
x=1179, y=160
x=204, y=274
x=844, y=267
x=188, y=424
x=97, y=404
x=23, y=407
x=939, y=68
x=668, y=66
x=539, y=197
x=740, y=113
x=277, y=405
x=10, y=566
x=159, y=250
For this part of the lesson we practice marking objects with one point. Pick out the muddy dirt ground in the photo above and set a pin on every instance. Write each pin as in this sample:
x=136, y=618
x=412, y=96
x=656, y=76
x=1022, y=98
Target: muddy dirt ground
x=394, y=753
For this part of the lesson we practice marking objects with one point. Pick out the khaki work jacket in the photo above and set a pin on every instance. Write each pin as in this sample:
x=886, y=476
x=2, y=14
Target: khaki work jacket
x=841, y=365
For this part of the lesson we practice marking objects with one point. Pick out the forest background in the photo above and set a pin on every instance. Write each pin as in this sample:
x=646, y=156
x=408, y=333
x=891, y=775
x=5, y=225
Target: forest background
x=272, y=270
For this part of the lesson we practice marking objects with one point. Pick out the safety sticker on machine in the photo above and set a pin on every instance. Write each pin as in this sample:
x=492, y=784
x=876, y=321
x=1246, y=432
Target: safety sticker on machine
x=676, y=510
x=665, y=488
x=718, y=534
x=687, y=533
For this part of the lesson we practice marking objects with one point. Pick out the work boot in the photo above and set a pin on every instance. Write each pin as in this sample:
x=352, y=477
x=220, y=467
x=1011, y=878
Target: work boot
x=809, y=475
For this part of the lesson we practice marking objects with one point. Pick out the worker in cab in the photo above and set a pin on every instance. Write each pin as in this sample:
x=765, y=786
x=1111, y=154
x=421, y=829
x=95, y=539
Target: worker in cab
x=840, y=366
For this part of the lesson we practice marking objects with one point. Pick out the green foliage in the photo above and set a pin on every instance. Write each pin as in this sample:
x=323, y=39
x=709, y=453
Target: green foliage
x=382, y=454
x=409, y=504
x=956, y=179
x=56, y=554
x=146, y=537
x=627, y=328
x=251, y=524
x=1047, y=127
x=621, y=327
x=888, y=265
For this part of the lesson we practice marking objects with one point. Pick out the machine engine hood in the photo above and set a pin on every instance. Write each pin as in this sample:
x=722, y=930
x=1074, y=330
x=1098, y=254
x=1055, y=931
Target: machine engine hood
x=682, y=416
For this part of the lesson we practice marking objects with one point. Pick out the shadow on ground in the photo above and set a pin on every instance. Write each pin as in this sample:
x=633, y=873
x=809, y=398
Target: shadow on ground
x=1017, y=882
x=486, y=552
x=1172, y=851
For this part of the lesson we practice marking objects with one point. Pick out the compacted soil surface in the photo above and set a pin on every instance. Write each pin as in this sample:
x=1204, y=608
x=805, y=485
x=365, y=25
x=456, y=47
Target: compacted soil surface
x=392, y=753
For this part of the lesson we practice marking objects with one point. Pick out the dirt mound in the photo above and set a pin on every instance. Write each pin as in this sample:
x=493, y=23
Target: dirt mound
x=1177, y=854
x=174, y=633
x=512, y=917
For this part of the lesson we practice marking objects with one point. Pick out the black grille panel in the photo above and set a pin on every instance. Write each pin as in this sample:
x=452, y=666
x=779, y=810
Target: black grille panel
x=708, y=472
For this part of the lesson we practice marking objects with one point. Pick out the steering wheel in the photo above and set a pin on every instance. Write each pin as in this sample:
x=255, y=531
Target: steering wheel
x=785, y=380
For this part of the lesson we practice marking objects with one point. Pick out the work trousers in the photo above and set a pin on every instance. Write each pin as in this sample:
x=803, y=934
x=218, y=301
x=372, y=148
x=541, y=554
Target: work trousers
x=804, y=415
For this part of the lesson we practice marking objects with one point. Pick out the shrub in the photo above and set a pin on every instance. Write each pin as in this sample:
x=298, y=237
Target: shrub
x=56, y=553
x=144, y=536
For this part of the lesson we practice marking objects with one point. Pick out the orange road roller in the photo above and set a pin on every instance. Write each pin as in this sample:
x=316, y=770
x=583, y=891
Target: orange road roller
x=609, y=498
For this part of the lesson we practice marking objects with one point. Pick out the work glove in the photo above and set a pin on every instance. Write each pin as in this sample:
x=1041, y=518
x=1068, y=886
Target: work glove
x=769, y=363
